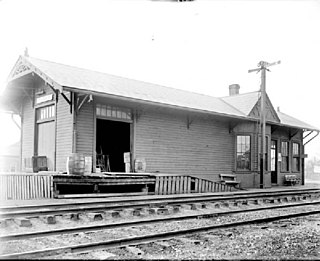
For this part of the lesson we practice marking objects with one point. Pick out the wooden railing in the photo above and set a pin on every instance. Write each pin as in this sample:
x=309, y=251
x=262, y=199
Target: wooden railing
x=20, y=186
x=167, y=184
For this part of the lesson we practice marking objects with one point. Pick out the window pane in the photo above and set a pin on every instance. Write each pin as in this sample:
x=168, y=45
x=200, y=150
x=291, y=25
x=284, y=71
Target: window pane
x=243, y=152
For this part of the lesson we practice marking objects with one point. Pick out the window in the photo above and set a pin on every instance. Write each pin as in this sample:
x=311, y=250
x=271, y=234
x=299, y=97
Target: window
x=284, y=156
x=243, y=152
x=113, y=112
x=295, y=157
x=46, y=113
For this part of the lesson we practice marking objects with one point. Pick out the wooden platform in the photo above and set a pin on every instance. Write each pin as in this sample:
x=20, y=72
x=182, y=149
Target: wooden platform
x=22, y=186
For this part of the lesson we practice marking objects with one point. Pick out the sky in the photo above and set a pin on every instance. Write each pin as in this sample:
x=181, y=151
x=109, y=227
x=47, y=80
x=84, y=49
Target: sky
x=201, y=46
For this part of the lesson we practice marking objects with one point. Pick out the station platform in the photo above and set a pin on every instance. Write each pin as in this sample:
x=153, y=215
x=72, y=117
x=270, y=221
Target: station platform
x=310, y=184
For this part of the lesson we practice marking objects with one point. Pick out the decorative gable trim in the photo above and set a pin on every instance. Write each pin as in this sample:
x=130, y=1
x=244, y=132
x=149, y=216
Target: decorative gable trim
x=24, y=67
x=271, y=114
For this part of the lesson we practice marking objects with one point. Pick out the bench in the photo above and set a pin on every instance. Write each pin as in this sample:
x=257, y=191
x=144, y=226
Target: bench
x=291, y=179
x=229, y=179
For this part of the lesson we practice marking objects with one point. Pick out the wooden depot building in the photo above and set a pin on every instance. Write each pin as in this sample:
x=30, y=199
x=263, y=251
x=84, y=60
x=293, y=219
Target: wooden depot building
x=66, y=110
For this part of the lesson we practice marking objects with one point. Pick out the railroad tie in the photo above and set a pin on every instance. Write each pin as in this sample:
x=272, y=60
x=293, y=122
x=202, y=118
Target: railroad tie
x=163, y=211
x=136, y=212
x=152, y=211
x=193, y=206
x=217, y=205
x=51, y=220
x=203, y=205
x=95, y=216
x=236, y=203
x=225, y=204
x=24, y=222
x=115, y=214
x=176, y=209
x=75, y=216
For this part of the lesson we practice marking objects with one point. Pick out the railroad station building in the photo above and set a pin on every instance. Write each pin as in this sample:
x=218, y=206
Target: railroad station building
x=67, y=110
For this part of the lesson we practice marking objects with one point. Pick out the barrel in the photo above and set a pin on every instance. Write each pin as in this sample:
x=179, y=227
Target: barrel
x=76, y=164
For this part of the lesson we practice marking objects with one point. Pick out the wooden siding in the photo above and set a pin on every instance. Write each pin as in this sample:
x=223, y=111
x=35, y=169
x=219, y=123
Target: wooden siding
x=85, y=129
x=28, y=123
x=205, y=149
x=64, y=133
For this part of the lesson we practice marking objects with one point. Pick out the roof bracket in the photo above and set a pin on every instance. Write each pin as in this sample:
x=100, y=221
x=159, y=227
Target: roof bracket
x=81, y=102
x=189, y=121
x=232, y=125
x=317, y=133
x=137, y=114
x=292, y=134
x=67, y=100
x=273, y=128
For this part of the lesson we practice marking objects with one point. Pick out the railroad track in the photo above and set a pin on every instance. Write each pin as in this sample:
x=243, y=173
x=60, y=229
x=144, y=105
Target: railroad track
x=152, y=237
x=28, y=211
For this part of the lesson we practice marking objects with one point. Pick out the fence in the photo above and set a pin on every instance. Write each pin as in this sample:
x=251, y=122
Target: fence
x=19, y=186
x=166, y=185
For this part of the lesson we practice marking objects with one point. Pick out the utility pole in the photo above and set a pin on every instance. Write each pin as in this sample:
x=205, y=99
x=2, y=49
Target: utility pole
x=262, y=66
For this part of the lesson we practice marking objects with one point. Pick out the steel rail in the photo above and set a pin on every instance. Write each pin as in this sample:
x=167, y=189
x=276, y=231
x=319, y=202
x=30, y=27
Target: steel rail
x=52, y=232
x=103, y=206
x=87, y=247
x=163, y=198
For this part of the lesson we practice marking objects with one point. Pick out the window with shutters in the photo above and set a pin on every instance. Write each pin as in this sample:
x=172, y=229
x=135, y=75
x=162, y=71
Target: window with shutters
x=295, y=157
x=284, y=156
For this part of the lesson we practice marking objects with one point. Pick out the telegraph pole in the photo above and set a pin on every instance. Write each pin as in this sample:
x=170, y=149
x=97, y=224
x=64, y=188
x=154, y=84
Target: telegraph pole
x=262, y=66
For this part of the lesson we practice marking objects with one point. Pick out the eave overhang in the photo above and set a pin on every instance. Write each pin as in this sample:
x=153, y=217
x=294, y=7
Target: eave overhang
x=24, y=67
x=159, y=104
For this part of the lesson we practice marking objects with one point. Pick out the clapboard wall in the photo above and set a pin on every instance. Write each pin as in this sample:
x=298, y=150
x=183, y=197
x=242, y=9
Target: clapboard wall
x=27, y=131
x=205, y=149
x=85, y=129
x=64, y=127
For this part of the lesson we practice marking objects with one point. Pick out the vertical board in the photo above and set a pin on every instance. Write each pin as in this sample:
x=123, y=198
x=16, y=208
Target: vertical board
x=173, y=188
x=178, y=185
x=169, y=184
x=161, y=180
x=156, y=189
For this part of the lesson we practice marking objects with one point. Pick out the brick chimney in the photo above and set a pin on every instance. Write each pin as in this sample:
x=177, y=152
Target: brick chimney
x=234, y=89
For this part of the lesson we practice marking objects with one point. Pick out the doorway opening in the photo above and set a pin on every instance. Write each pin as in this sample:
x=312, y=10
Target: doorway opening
x=112, y=141
x=274, y=162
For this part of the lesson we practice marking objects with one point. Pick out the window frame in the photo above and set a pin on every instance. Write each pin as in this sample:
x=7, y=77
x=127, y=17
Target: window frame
x=117, y=110
x=236, y=152
x=296, y=156
x=44, y=107
x=287, y=156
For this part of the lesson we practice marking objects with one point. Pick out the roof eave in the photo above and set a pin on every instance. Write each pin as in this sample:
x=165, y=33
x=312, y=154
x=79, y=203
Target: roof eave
x=166, y=105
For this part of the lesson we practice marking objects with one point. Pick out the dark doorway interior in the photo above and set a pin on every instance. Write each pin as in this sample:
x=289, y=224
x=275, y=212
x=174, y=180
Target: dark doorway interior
x=113, y=139
x=274, y=161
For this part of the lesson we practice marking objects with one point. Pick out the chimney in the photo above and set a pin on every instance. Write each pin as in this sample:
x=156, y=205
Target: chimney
x=234, y=89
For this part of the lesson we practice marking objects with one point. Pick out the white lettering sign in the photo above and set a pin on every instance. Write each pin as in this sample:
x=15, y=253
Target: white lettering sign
x=45, y=98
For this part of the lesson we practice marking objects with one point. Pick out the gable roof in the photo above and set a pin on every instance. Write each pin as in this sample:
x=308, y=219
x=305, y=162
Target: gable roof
x=243, y=102
x=72, y=78
x=65, y=77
